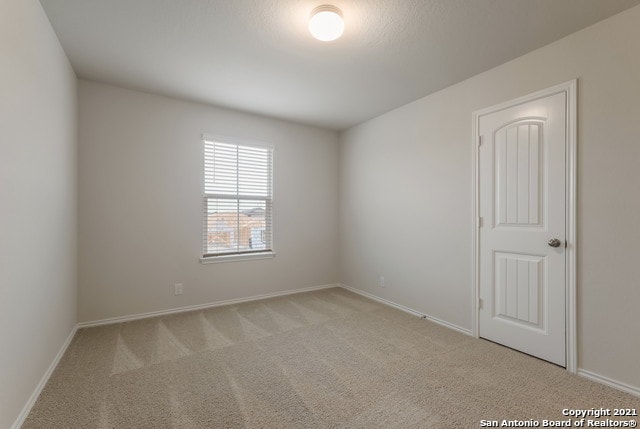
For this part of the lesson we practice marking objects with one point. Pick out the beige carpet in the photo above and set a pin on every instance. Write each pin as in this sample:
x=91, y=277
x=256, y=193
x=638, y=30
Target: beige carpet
x=326, y=359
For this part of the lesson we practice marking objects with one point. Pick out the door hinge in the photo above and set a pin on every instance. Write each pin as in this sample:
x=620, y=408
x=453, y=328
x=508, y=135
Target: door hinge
x=479, y=141
x=480, y=304
x=479, y=224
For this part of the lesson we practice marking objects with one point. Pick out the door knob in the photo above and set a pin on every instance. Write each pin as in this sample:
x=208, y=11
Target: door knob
x=554, y=242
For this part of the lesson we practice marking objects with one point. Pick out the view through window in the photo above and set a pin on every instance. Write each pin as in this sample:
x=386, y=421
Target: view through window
x=237, y=198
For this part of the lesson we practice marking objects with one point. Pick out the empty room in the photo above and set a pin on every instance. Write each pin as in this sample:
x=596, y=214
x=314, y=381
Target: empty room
x=319, y=214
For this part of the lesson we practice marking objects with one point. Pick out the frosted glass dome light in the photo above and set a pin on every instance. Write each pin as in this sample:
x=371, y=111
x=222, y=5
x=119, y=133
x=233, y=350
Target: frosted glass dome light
x=326, y=23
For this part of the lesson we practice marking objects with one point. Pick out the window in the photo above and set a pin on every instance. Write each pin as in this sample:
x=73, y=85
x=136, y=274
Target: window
x=238, y=196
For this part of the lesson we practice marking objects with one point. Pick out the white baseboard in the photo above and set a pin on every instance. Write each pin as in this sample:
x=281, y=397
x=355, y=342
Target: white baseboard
x=582, y=372
x=408, y=310
x=45, y=378
x=609, y=382
x=200, y=306
x=43, y=381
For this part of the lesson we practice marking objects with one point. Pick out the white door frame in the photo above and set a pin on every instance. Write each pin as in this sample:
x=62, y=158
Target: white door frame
x=570, y=89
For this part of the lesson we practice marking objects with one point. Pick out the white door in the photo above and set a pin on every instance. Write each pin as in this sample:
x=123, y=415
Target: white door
x=522, y=231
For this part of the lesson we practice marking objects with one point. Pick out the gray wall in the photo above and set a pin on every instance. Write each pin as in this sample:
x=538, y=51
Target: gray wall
x=406, y=192
x=140, y=204
x=38, y=200
x=404, y=196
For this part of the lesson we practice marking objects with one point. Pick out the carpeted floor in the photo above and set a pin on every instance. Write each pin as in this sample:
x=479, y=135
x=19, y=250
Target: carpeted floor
x=325, y=359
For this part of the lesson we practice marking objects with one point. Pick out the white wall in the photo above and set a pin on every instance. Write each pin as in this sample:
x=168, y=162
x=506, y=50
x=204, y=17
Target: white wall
x=406, y=191
x=140, y=204
x=38, y=201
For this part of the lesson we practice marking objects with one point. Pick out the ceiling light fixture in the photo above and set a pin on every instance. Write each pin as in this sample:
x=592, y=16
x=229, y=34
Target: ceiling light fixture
x=326, y=23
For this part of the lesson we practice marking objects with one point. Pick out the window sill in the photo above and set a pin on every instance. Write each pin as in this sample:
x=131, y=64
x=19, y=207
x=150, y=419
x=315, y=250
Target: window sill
x=236, y=258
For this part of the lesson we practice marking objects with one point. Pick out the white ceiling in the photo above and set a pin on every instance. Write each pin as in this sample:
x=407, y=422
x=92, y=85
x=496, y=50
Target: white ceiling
x=257, y=55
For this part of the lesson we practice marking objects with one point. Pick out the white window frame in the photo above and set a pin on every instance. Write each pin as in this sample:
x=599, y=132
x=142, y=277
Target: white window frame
x=240, y=256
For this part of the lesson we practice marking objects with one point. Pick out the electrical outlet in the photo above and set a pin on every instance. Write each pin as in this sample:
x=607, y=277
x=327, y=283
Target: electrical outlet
x=381, y=281
x=178, y=289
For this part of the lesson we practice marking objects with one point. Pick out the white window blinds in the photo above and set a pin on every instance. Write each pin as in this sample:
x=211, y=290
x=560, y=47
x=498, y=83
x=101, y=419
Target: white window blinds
x=237, y=198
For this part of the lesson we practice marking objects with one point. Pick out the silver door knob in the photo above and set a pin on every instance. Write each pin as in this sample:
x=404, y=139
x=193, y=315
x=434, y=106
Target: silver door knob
x=554, y=242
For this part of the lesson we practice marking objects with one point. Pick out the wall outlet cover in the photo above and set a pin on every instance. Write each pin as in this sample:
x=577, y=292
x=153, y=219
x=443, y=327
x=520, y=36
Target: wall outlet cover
x=178, y=289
